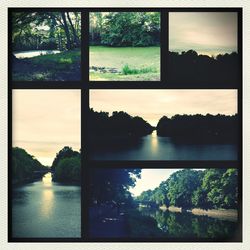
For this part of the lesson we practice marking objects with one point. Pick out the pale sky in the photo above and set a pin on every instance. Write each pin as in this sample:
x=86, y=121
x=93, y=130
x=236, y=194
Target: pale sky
x=151, y=105
x=151, y=178
x=208, y=33
x=44, y=121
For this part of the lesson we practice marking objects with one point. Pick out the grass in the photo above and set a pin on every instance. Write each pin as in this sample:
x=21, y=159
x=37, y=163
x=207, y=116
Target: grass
x=59, y=67
x=134, y=64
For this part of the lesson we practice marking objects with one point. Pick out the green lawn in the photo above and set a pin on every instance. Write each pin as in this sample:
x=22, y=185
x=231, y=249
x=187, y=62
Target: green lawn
x=144, y=63
x=63, y=66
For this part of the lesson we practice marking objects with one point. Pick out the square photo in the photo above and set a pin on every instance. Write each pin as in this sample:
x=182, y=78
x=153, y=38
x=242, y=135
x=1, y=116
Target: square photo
x=204, y=50
x=46, y=46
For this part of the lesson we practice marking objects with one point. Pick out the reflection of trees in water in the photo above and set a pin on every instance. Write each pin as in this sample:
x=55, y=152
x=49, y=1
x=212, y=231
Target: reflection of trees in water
x=186, y=225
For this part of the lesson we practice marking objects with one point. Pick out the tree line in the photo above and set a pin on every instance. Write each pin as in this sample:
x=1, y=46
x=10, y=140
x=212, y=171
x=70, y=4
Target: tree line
x=214, y=128
x=119, y=123
x=24, y=165
x=211, y=188
x=46, y=30
x=66, y=166
x=190, y=69
x=125, y=29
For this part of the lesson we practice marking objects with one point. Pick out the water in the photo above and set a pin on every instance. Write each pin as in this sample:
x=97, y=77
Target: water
x=153, y=147
x=183, y=225
x=33, y=53
x=46, y=209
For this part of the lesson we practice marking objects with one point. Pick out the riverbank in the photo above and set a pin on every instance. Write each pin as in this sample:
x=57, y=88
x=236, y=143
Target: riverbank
x=222, y=214
x=64, y=66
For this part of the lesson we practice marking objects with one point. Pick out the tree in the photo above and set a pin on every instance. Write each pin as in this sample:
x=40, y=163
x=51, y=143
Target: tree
x=68, y=170
x=112, y=184
x=125, y=28
x=181, y=186
x=66, y=152
x=24, y=165
x=45, y=30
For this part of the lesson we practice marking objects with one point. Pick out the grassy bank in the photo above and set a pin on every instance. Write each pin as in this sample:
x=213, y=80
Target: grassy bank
x=56, y=67
x=124, y=64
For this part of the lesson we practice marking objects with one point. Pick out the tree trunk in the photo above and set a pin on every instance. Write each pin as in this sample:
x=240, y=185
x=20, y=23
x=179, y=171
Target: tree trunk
x=66, y=29
x=76, y=39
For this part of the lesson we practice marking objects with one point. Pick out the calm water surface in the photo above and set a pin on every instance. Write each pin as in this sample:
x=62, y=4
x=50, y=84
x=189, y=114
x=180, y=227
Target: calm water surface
x=153, y=147
x=33, y=53
x=190, y=226
x=46, y=209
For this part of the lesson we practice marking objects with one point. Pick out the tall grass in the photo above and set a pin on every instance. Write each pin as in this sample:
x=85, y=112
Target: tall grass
x=127, y=70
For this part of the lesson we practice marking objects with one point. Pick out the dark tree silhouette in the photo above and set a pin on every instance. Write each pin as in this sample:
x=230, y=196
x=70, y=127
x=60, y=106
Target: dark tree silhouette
x=193, y=128
x=189, y=69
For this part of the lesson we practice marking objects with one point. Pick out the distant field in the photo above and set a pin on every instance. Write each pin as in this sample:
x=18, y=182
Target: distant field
x=107, y=63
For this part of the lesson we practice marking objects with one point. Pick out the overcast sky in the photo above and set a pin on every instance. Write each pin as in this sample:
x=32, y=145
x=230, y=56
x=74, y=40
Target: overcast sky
x=153, y=104
x=44, y=121
x=206, y=32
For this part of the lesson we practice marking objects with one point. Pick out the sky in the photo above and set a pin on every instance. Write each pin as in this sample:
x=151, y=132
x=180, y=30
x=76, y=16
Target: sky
x=207, y=33
x=151, y=105
x=151, y=178
x=44, y=121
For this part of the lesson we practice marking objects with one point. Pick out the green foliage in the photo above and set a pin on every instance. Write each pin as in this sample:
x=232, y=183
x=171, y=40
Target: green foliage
x=68, y=169
x=46, y=30
x=24, y=165
x=181, y=186
x=212, y=188
x=126, y=70
x=67, y=165
x=112, y=184
x=124, y=29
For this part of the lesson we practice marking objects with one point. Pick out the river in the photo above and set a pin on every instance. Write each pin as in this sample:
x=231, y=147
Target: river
x=153, y=147
x=46, y=209
x=184, y=225
x=33, y=53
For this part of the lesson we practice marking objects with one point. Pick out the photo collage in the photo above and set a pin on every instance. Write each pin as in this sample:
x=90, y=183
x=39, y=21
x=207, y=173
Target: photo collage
x=126, y=125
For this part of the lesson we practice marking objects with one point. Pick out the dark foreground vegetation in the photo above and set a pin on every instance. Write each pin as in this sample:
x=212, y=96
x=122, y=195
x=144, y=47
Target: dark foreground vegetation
x=193, y=128
x=47, y=31
x=25, y=167
x=66, y=166
x=212, y=188
x=190, y=69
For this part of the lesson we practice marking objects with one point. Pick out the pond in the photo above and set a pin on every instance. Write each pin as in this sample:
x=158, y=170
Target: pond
x=46, y=209
x=184, y=225
x=33, y=53
x=153, y=147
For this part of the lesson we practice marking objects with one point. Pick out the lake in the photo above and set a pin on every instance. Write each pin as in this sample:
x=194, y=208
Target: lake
x=184, y=225
x=153, y=147
x=46, y=209
x=33, y=53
